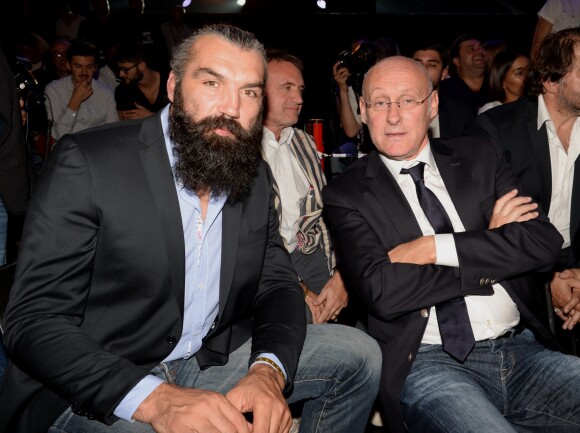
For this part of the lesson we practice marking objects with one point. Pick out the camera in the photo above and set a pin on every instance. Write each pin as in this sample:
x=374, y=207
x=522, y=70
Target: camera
x=27, y=86
x=358, y=60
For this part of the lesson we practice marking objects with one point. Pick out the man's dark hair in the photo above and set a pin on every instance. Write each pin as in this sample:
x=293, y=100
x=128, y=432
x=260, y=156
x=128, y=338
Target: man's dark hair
x=131, y=52
x=553, y=60
x=281, y=55
x=435, y=46
x=83, y=49
x=454, y=49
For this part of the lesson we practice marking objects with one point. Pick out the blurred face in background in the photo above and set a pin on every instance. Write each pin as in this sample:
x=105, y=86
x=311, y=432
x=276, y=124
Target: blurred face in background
x=513, y=83
x=130, y=72
x=58, y=57
x=83, y=68
x=432, y=61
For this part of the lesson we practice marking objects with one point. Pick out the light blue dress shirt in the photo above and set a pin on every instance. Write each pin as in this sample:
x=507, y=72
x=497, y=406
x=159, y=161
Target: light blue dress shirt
x=203, y=242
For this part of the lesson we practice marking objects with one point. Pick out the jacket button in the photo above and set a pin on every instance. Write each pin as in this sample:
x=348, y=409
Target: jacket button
x=493, y=281
x=171, y=339
x=425, y=312
x=410, y=357
x=482, y=281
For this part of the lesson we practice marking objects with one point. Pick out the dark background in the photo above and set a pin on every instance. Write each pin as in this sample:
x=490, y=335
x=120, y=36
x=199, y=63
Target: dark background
x=314, y=34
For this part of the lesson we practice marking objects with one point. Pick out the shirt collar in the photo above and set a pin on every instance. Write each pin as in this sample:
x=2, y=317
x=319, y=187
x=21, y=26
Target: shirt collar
x=425, y=156
x=543, y=113
x=285, y=137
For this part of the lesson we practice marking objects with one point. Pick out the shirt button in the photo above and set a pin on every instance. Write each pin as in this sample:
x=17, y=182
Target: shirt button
x=171, y=340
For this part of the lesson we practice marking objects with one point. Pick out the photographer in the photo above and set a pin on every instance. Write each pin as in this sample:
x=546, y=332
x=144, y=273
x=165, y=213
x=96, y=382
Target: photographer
x=348, y=73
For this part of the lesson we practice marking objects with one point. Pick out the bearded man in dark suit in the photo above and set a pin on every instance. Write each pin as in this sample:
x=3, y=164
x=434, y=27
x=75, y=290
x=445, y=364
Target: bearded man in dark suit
x=153, y=292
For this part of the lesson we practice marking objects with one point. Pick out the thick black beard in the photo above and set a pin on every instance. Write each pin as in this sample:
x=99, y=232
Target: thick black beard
x=205, y=160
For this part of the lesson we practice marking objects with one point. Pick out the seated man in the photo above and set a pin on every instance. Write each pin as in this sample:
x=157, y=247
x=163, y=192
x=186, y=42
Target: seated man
x=153, y=291
x=141, y=90
x=78, y=101
x=540, y=133
x=435, y=239
x=298, y=177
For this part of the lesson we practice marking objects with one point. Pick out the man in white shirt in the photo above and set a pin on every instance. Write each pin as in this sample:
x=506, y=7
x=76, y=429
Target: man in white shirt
x=540, y=135
x=291, y=153
x=77, y=101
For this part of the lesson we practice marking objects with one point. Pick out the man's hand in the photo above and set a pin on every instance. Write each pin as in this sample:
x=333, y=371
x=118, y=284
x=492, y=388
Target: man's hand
x=420, y=251
x=81, y=92
x=333, y=298
x=510, y=208
x=260, y=392
x=565, y=289
x=310, y=299
x=172, y=409
x=139, y=112
x=340, y=74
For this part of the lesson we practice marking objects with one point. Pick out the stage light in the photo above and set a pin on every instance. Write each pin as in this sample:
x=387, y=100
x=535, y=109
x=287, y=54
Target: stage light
x=321, y=4
x=241, y=2
x=186, y=3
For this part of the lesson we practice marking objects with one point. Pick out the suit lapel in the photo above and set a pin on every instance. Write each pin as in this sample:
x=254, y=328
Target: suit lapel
x=231, y=220
x=541, y=151
x=454, y=174
x=389, y=196
x=159, y=177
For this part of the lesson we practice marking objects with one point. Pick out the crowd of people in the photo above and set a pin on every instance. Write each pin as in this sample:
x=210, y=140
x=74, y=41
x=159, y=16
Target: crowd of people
x=186, y=262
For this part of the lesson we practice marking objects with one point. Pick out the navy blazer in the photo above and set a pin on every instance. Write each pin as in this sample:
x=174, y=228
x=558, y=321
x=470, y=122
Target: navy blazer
x=99, y=288
x=369, y=215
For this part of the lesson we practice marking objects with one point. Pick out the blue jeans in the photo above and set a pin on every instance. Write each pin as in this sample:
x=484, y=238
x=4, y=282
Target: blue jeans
x=511, y=384
x=337, y=378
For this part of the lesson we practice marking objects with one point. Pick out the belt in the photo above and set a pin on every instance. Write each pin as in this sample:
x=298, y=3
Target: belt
x=513, y=332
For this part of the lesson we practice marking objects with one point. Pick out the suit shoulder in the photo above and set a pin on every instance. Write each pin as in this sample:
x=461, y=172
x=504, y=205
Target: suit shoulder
x=507, y=112
x=478, y=147
x=344, y=180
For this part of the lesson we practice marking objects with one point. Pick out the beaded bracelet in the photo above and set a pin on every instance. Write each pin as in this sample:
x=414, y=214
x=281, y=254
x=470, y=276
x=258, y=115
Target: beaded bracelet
x=264, y=360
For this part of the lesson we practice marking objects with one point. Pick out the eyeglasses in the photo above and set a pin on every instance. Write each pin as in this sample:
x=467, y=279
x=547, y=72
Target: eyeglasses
x=405, y=103
x=127, y=69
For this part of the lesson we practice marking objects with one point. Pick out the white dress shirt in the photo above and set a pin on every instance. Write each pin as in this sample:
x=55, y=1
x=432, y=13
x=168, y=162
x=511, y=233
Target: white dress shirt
x=292, y=182
x=562, y=169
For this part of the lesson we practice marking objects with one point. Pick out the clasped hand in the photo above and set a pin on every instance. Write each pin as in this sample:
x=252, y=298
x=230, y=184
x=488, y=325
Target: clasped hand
x=330, y=302
x=173, y=409
x=565, y=289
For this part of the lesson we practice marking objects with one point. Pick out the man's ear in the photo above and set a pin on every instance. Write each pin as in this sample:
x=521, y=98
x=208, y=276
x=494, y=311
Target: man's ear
x=550, y=86
x=434, y=109
x=171, y=86
x=363, y=110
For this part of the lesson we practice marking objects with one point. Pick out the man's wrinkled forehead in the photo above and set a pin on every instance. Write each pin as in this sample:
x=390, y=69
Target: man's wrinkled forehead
x=213, y=48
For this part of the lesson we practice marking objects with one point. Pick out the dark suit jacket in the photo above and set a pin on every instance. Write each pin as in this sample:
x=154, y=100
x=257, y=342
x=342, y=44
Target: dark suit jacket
x=99, y=289
x=368, y=216
x=14, y=168
x=514, y=127
x=455, y=116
